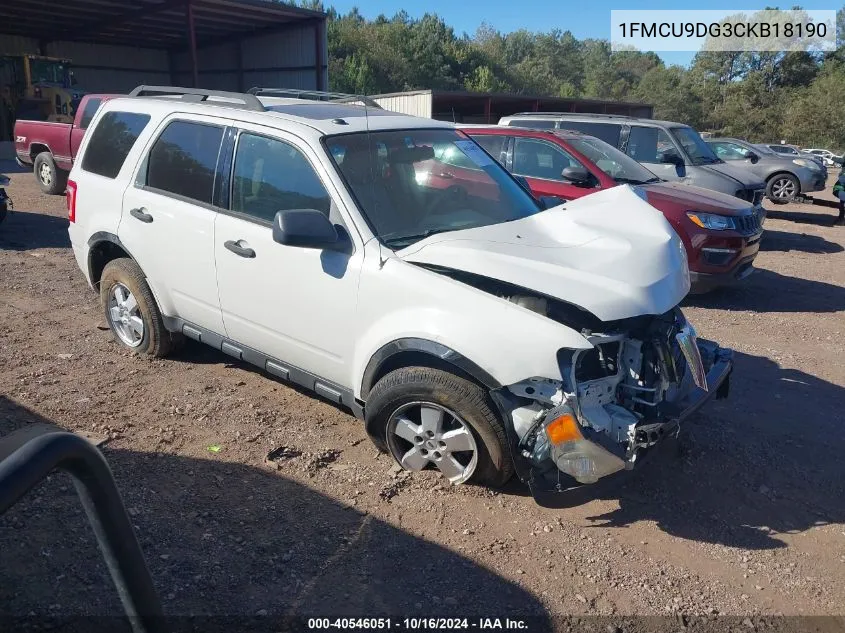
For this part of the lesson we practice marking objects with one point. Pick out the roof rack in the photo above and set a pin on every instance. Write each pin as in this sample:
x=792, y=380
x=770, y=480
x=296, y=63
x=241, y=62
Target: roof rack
x=598, y=115
x=313, y=95
x=198, y=95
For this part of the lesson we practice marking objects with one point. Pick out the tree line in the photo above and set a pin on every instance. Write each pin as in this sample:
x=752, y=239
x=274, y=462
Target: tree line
x=798, y=97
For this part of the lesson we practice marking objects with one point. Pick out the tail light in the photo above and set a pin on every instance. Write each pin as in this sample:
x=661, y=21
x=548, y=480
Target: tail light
x=70, y=197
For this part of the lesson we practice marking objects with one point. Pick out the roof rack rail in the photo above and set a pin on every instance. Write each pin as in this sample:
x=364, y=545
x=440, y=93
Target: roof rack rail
x=198, y=95
x=598, y=115
x=314, y=95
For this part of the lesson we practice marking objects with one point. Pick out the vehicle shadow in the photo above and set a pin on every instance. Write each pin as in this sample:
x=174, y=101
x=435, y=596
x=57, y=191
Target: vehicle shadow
x=766, y=462
x=785, y=242
x=225, y=538
x=194, y=352
x=29, y=230
x=821, y=218
x=768, y=291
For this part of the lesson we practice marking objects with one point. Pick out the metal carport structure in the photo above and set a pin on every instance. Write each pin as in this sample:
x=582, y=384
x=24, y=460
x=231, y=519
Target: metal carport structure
x=115, y=45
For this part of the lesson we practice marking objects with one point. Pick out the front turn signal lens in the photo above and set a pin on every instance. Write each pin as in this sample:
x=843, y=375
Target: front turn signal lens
x=562, y=429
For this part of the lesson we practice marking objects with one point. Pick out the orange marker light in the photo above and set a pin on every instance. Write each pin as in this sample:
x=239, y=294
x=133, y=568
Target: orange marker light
x=563, y=429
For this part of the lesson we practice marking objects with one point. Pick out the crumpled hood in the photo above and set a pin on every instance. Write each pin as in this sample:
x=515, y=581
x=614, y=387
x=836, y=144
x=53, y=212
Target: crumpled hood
x=610, y=253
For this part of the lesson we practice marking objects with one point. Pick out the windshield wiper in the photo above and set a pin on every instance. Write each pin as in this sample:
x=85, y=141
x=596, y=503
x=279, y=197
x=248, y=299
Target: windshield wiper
x=391, y=239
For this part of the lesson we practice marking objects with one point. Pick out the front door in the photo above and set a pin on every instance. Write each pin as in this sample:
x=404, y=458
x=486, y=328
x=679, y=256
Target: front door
x=291, y=303
x=654, y=148
x=168, y=219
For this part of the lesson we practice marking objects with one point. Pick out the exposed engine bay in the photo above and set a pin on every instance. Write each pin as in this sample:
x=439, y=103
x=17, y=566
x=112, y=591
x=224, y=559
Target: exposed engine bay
x=612, y=402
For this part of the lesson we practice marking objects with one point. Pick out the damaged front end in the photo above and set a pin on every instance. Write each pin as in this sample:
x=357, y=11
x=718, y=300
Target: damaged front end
x=613, y=402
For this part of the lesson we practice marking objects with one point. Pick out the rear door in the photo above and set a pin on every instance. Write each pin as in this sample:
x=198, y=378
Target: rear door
x=542, y=162
x=168, y=217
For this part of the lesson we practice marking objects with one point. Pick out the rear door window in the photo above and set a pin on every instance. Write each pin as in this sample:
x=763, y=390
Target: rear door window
x=183, y=160
x=608, y=132
x=111, y=141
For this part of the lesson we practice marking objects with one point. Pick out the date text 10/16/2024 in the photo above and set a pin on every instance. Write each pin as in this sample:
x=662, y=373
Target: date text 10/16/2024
x=417, y=624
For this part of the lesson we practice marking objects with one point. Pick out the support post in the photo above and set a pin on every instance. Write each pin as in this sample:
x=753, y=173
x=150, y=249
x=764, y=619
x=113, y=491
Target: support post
x=192, y=41
x=318, y=54
x=488, y=108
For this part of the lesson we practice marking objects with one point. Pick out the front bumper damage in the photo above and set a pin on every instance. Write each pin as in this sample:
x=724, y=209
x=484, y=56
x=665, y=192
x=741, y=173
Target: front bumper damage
x=578, y=442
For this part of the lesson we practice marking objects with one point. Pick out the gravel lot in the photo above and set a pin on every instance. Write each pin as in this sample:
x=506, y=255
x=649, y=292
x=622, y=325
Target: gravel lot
x=746, y=517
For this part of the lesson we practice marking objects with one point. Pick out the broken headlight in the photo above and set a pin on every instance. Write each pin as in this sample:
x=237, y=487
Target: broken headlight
x=571, y=452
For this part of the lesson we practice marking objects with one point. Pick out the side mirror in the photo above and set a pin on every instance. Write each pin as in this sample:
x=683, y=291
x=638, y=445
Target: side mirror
x=548, y=202
x=306, y=228
x=752, y=156
x=577, y=175
x=673, y=158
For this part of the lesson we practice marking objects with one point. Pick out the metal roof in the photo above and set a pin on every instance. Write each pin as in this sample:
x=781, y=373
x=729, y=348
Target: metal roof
x=147, y=23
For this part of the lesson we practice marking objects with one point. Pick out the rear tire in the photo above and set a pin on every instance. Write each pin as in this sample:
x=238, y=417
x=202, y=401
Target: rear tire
x=131, y=311
x=51, y=179
x=782, y=188
x=467, y=416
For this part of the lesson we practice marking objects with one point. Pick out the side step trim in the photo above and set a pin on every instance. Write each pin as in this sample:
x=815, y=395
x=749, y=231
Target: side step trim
x=277, y=368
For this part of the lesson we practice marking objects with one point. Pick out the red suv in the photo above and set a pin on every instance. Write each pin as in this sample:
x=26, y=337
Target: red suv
x=721, y=233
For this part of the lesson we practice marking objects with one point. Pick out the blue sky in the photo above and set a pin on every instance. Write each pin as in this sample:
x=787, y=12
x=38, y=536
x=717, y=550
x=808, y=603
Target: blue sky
x=584, y=19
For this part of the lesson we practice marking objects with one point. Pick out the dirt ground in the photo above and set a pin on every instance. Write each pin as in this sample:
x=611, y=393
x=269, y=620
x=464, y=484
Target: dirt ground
x=746, y=519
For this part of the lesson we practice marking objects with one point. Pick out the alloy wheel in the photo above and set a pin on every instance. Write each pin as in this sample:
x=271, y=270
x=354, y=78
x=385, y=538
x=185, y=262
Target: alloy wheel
x=125, y=315
x=420, y=434
x=784, y=189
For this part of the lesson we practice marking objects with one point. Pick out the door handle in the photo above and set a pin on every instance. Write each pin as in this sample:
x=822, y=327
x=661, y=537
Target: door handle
x=239, y=250
x=141, y=214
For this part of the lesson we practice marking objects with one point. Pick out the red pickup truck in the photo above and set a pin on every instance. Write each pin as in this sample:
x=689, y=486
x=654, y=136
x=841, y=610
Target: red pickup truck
x=50, y=147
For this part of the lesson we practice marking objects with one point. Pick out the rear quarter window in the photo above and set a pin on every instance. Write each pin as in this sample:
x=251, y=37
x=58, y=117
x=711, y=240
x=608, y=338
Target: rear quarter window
x=111, y=141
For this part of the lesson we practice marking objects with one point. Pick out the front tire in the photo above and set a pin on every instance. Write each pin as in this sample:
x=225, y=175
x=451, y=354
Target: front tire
x=51, y=179
x=131, y=311
x=782, y=188
x=431, y=418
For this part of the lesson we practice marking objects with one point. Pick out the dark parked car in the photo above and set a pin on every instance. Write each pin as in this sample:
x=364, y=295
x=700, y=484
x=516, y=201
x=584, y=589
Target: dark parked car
x=786, y=176
x=721, y=233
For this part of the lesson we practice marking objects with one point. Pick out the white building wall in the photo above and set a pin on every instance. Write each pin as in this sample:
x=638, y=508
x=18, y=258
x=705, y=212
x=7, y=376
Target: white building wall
x=415, y=104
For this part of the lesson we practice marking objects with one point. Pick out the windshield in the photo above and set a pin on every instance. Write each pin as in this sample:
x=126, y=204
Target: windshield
x=622, y=168
x=46, y=71
x=410, y=184
x=698, y=151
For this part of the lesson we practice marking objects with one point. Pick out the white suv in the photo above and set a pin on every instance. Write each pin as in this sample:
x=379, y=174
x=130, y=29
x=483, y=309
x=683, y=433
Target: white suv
x=390, y=265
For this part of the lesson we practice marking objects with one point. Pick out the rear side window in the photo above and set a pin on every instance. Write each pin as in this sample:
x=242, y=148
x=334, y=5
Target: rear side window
x=539, y=124
x=90, y=110
x=608, y=132
x=493, y=143
x=183, y=160
x=111, y=141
